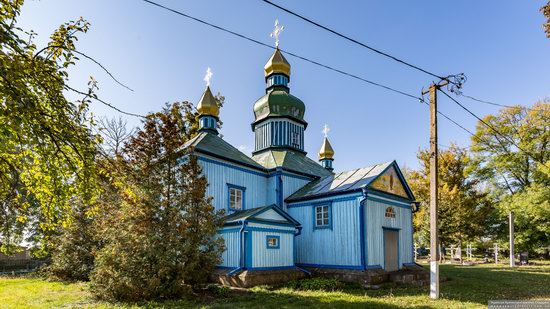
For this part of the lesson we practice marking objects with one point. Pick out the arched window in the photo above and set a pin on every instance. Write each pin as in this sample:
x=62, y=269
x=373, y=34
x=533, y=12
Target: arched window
x=390, y=212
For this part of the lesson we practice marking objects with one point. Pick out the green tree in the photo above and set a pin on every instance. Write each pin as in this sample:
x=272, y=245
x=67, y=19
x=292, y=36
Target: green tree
x=46, y=148
x=464, y=209
x=518, y=177
x=162, y=240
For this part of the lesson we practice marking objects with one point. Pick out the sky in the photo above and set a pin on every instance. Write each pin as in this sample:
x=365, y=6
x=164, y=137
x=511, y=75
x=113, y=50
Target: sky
x=163, y=57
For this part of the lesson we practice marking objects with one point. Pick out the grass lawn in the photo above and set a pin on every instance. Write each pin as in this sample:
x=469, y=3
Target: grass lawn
x=468, y=287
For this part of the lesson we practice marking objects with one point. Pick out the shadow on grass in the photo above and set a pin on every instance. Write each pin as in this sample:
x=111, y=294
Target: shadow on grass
x=481, y=283
x=471, y=286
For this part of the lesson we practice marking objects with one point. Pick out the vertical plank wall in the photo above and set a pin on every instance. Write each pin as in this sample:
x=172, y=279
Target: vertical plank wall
x=338, y=246
x=219, y=174
x=230, y=257
x=374, y=224
x=262, y=257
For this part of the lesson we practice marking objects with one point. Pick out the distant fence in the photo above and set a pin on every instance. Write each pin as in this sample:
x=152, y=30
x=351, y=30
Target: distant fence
x=18, y=266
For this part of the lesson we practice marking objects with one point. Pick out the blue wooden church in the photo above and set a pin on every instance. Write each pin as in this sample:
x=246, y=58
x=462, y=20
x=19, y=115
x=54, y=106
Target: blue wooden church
x=290, y=216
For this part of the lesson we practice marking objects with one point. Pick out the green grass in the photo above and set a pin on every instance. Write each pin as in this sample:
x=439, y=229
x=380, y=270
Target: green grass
x=467, y=287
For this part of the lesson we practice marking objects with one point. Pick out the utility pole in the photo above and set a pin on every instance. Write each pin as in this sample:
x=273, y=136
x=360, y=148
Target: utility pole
x=434, y=238
x=511, y=220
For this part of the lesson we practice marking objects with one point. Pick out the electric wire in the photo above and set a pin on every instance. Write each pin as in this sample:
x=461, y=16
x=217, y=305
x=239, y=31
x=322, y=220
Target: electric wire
x=285, y=51
x=497, y=133
x=352, y=40
x=500, y=105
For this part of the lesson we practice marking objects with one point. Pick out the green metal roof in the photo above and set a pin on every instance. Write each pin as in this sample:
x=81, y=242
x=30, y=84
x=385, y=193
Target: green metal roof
x=292, y=161
x=214, y=145
x=279, y=103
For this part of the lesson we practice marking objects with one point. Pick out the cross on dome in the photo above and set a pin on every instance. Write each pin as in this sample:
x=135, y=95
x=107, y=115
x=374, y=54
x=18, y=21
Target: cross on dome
x=208, y=76
x=277, y=32
x=325, y=130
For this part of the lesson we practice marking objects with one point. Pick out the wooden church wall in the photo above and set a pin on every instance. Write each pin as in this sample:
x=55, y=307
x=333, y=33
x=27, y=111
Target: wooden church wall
x=219, y=174
x=230, y=257
x=376, y=222
x=263, y=257
x=337, y=246
x=292, y=184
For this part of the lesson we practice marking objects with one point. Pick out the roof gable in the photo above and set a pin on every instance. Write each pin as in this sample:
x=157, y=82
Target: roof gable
x=349, y=181
x=389, y=181
x=267, y=214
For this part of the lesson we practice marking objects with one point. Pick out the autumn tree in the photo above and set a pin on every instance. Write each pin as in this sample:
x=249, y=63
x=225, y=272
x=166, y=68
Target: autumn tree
x=464, y=209
x=162, y=240
x=514, y=162
x=46, y=148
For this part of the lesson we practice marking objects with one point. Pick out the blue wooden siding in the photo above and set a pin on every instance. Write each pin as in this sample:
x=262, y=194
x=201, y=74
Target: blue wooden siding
x=292, y=184
x=263, y=257
x=376, y=222
x=336, y=247
x=230, y=257
x=219, y=175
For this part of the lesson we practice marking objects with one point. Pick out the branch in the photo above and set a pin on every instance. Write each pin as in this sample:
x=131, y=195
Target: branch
x=89, y=58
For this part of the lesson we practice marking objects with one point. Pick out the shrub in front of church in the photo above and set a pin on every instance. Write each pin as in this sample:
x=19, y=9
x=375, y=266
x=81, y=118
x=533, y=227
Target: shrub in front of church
x=162, y=241
x=316, y=284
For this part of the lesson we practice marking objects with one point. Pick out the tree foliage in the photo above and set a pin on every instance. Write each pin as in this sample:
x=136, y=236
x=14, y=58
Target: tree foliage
x=519, y=178
x=546, y=11
x=464, y=209
x=46, y=149
x=161, y=241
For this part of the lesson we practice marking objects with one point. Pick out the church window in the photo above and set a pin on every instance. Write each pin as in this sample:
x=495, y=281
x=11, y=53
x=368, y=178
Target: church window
x=322, y=216
x=390, y=212
x=236, y=197
x=272, y=242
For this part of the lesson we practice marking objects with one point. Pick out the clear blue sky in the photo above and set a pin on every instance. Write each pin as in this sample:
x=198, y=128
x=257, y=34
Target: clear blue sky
x=499, y=44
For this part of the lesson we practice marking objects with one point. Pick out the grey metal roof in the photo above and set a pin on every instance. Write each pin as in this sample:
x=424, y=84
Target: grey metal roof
x=341, y=182
x=292, y=161
x=214, y=145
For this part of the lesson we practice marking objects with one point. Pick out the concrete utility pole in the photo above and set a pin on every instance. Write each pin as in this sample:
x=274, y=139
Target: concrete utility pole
x=434, y=238
x=512, y=258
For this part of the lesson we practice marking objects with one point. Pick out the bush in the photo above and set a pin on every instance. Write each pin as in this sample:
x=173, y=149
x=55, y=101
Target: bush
x=313, y=284
x=219, y=290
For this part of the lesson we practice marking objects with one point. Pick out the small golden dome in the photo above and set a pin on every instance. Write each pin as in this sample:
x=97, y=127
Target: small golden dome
x=207, y=104
x=277, y=64
x=326, y=151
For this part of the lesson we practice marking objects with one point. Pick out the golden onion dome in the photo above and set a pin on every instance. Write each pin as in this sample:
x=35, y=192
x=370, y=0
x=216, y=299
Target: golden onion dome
x=207, y=104
x=277, y=64
x=326, y=151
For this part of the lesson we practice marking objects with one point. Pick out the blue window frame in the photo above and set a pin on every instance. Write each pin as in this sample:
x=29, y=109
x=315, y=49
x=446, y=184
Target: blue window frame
x=235, y=197
x=273, y=242
x=322, y=216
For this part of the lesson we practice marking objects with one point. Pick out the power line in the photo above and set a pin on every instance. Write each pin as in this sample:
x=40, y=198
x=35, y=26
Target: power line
x=307, y=60
x=451, y=120
x=497, y=133
x=353, y=40
x=286, y=52
x=497, y=104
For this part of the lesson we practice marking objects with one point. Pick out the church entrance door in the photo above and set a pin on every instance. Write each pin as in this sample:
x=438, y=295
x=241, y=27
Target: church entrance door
x=391, y=256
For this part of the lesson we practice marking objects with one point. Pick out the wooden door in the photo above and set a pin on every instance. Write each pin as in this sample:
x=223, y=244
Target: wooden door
x=391, y=258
